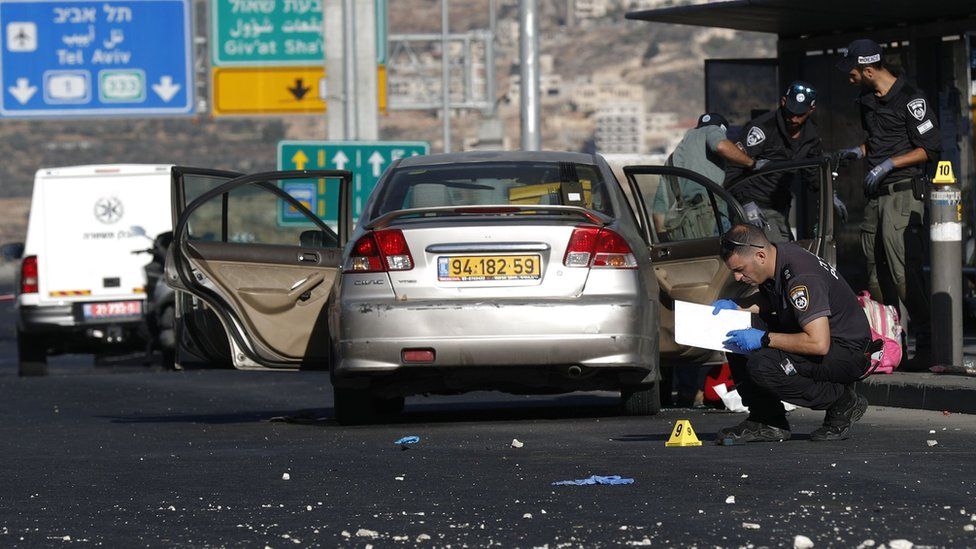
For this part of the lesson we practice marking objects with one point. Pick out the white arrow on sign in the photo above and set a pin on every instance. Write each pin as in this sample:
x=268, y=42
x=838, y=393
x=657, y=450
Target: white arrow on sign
x=376, y=161
x=340, y=160
x=166, y=89
x=23, y=91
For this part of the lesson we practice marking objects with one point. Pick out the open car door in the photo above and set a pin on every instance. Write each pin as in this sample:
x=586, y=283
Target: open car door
x=265, y=264
x=198, y=334
x=813, y=207
x=683, y=214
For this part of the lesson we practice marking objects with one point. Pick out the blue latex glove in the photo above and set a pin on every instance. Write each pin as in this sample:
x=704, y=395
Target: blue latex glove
x=723, y=304
x=874, y=177
x=595, y=479
x=748, y=339
x=408, y=440
x=840, y=207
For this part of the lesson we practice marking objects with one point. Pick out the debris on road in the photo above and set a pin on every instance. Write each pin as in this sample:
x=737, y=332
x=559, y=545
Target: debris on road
x=527, y=516
x=802, y=542
x=413, y=439
x=285, y=476
x=730, y=500
x=931, y=442
x=750, y=525
x=516, y=443
x=900, y=544
x=969, y=528
x=364, y=533
x=595, y=479
x=422, y=537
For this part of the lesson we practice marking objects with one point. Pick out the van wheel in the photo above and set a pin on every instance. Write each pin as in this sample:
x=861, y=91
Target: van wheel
x=644, y=400
x=32, y=355
x=352, y=406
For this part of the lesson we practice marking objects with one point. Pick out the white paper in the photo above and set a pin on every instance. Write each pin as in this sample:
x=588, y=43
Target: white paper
x=696, y=326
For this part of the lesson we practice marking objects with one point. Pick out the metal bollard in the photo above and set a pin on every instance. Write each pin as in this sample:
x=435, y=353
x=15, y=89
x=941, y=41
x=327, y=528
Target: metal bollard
x=945, y=214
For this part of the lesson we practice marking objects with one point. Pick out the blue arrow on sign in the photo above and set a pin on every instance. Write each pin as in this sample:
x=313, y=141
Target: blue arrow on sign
x=82, y=58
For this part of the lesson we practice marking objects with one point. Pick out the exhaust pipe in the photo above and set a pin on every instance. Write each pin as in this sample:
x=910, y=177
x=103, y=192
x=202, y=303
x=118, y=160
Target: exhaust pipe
x=574, y=371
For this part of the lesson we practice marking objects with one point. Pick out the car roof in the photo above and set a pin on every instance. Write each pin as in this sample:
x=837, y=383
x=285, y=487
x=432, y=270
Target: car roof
x=496, y=156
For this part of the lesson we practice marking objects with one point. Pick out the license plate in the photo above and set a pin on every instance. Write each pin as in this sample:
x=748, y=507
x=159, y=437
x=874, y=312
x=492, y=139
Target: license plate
x=112, y=309
x=460, y=268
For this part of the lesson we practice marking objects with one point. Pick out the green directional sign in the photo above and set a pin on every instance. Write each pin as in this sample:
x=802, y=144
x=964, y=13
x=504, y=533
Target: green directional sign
x=276, y=32
x=267, y=32
x=367, y=160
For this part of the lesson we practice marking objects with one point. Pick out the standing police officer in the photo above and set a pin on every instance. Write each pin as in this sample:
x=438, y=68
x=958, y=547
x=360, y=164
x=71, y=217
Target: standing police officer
x=812, y=349
x=782, y=135
x=902, y=135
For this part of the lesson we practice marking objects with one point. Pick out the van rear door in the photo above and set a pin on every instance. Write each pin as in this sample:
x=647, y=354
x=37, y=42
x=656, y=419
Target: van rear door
x=87, y=217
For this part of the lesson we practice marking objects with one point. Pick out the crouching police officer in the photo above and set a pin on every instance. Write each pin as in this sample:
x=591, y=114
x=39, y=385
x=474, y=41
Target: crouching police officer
x=812, y=350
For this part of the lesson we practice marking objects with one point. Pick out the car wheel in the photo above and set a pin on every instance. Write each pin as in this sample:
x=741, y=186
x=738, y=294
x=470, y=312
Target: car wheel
x=644, y=400
x=388, y=406
x=32, y=355
x=352, y=406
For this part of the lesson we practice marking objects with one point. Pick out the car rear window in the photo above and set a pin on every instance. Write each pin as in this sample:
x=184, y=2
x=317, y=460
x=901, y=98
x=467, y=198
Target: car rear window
x=495, y=184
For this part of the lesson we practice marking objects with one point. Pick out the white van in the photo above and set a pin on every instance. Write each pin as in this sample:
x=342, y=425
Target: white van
x=81, y=287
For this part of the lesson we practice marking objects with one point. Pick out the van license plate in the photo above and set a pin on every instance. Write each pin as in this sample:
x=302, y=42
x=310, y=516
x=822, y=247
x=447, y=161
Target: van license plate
x=112, y=309
x=460, y=268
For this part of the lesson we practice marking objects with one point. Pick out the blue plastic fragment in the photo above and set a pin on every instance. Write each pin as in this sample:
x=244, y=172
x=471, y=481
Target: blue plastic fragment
x=408, y=440
x=595, y=479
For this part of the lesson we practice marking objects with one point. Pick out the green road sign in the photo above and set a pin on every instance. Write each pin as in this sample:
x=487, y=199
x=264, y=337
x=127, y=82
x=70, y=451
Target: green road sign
x=367, y=160
x=275, y=33
x=248, y=32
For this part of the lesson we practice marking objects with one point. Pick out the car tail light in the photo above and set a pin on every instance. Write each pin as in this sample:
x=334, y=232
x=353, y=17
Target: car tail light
x=417, y=356
x=28, y=275
x=380, y=251
x=598, y=248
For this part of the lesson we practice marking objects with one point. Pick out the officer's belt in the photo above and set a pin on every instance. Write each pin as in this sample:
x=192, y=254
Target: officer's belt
x=895, y=188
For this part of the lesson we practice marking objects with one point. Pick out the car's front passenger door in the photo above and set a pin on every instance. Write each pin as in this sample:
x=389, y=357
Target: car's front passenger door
x=266, y=264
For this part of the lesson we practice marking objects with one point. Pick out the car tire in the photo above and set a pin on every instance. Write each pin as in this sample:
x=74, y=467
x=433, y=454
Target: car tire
x=389, y=406
x=32, y=355
x=644, y=400
x=352, y=406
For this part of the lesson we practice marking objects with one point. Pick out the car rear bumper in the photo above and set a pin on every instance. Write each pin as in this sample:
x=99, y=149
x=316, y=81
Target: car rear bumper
x=590, y=332
x=62, y=318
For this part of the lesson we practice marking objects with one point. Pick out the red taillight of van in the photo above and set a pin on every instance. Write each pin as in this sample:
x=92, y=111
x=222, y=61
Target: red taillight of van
x=599, y=249
x=28, y=275
x=380, y=251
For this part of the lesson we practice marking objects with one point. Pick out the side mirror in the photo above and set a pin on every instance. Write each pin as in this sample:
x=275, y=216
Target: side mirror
x=12, y=251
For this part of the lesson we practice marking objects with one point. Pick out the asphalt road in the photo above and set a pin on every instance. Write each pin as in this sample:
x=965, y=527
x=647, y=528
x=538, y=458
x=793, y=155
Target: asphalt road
x=126, y=455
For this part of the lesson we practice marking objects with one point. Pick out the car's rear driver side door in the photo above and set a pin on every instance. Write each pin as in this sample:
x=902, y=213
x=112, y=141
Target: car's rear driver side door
x=265, y=262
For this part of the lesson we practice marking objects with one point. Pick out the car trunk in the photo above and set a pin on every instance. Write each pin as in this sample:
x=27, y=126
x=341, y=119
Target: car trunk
x=488, y=259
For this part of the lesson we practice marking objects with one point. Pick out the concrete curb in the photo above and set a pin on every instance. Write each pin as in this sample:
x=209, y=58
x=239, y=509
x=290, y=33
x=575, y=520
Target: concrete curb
x=921, y=391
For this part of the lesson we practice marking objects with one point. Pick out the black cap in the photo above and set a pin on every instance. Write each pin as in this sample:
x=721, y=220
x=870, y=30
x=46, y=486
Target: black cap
x=713, y=119
x=860, y=53
x=800, y=97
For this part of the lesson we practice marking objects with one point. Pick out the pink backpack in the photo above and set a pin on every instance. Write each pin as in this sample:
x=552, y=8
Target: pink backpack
x=885, y=327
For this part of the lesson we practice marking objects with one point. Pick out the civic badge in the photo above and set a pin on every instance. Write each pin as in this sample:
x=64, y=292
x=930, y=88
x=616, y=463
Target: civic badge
x=800, y=298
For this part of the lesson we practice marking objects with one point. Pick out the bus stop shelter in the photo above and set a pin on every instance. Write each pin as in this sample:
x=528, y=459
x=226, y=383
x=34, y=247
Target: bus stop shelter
x=932, y=43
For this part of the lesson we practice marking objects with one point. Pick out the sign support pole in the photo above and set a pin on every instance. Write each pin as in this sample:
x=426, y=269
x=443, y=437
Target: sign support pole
x=945, y=209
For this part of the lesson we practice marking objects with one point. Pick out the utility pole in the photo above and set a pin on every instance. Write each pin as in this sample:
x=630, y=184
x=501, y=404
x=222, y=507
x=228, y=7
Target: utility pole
x=529, y=88
x=445, y=78
x=945, y=209
x=350, y=69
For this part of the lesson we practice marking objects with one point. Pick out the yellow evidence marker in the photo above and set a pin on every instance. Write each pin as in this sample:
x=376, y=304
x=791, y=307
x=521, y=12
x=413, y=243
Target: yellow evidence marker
x=683, y=435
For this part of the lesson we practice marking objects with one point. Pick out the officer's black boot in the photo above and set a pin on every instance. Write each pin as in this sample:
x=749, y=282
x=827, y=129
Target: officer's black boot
x=841, y=416
x=755, y=430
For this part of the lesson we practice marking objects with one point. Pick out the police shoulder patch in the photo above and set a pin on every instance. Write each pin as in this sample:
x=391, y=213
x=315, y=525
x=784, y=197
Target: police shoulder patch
x=800, y=297
x=917, y=108
x=755, y=136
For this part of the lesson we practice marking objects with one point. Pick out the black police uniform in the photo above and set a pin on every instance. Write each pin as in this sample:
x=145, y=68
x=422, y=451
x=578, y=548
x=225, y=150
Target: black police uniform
x=898, y=123
x=766, y=137
x=804, y=289
x=892, y=233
